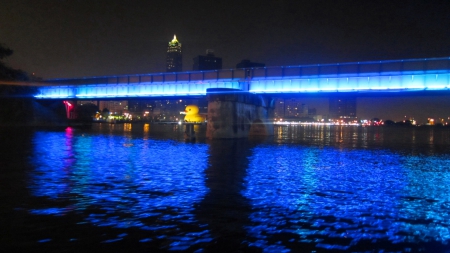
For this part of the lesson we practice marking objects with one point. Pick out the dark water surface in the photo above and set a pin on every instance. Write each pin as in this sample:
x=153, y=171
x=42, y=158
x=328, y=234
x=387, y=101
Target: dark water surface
x=143, y=188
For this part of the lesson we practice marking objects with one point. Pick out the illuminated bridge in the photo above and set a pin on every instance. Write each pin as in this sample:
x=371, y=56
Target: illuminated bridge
x=361, y=77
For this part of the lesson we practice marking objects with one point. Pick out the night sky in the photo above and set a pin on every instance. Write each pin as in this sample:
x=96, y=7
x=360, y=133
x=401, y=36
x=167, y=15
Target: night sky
x=70, y=38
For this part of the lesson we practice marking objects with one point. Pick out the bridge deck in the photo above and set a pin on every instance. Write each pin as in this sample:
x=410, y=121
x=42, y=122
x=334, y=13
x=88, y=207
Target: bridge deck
x=395, y=75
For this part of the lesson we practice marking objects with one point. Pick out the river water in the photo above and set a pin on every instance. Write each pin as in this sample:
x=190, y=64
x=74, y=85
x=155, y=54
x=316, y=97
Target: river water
x=144, y=188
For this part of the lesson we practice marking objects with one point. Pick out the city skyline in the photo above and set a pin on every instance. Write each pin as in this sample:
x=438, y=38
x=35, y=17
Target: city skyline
x=78, y=39
x=68, y=39
x=307, y=108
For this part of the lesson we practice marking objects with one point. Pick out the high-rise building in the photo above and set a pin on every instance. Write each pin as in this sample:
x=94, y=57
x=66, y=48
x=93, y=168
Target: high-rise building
x=293, y=108
x=173, y=61
x=208, y=62
x=279, y=108
x=116, y=107
x=342, y=107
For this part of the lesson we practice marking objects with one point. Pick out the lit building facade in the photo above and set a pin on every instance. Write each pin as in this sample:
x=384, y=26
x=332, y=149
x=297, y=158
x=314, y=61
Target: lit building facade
x=116, y=107
x=174, y=56
x=293, y=110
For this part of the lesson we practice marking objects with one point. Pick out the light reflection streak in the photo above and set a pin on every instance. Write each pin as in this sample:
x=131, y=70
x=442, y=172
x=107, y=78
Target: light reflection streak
x=121, y=182
x=328, y=194
x=336, y=199
x=146, y=128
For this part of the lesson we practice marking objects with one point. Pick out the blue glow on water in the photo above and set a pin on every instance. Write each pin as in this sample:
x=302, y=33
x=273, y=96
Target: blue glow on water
x=348, y=195
x=331, y=189
x=44, y=240
x=120, y=182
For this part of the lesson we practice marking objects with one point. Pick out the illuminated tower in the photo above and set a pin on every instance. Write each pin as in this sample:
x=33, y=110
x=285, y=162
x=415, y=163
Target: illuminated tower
x=173, y=63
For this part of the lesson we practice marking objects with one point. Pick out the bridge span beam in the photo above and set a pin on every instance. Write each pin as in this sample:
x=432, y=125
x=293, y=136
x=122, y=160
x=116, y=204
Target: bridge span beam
x=234, y=113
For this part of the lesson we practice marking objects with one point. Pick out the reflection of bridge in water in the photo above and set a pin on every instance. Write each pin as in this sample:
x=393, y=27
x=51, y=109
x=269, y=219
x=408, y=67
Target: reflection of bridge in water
x=361, y=77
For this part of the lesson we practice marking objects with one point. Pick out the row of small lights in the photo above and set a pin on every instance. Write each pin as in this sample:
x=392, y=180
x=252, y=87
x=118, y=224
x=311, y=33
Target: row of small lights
x=341, y=122
x=334, y=123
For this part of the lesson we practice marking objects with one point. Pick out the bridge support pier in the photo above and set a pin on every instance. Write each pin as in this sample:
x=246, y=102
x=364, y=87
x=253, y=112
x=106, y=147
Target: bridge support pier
x=189, y=133
x=237, y=114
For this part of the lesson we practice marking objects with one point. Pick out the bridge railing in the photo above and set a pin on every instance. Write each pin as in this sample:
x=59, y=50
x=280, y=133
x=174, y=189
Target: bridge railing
x=158, y=78
x=372, y=68
x=420, y=74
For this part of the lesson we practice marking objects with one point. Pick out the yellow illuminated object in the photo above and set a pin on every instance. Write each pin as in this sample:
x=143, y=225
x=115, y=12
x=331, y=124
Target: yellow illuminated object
x=174, y=42
x=192, y=114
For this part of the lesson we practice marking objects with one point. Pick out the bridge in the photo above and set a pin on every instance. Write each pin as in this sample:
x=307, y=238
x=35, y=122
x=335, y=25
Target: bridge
x=358, y=77
x=240, y=100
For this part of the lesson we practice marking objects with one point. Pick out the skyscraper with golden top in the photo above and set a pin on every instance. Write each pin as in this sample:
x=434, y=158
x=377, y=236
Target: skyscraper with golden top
x=173, y=60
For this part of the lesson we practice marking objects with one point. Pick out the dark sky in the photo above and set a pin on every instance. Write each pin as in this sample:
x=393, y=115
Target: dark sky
x=76, y=38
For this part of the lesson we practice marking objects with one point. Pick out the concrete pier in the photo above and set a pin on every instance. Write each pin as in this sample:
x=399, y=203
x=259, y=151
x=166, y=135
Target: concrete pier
x=189, y=133
x=237, y=114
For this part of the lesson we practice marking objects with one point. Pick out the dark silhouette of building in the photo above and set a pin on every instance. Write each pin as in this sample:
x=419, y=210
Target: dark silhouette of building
x=173, y=61
x=207, y=62
x=342, y=107
x=248, y=64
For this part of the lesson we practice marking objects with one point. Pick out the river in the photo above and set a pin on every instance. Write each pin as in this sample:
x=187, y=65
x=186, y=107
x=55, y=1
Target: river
x=144, y=188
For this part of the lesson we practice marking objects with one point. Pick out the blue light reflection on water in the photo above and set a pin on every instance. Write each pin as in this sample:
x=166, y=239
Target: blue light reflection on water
x=332, y=196
x=314, y=193
x=119, y=181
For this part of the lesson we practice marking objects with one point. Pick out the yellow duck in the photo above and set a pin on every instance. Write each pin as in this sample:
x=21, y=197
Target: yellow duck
x=192, y=114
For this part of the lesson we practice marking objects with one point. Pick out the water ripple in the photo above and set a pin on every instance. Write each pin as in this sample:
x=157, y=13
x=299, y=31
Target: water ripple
x=121, y=182
x=314, y=193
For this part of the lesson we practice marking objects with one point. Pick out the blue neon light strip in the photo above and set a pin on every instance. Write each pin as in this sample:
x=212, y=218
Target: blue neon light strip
x=269, y=85
x=131, y=90
x=353, y=84
x=395, y=75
